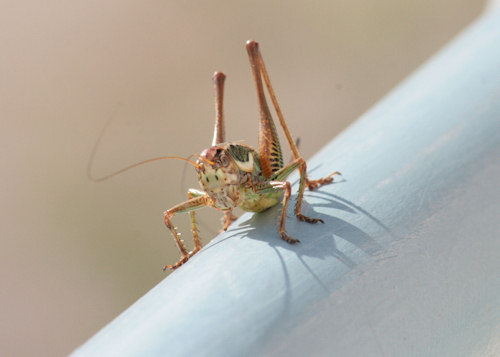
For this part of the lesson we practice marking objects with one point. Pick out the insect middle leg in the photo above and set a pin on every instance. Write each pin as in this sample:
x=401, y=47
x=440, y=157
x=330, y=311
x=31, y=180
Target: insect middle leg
x=271, y=186
x=282, y=174
x=197, y=199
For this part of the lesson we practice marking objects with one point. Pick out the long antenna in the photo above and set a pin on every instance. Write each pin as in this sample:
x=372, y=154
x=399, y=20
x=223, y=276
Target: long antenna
x=99, y=179
x=98, y=142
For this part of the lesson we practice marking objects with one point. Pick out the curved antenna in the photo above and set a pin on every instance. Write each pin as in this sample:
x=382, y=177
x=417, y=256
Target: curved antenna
x=182, y=182
x=99, y=179
x=98, y=142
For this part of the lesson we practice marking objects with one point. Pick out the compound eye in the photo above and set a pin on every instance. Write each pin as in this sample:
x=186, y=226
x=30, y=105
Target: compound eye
x=224, y=161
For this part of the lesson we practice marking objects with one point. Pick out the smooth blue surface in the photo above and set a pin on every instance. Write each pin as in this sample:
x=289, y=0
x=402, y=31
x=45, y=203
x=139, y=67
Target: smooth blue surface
x=406, y=264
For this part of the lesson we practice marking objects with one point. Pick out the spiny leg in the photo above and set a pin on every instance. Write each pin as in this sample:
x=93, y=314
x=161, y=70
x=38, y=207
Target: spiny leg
x=284, y=173
x=194, y=228
x=300, y=195
x=257, y=61
x=190, y=205
x=271, y=158
x=287, y=188
x=311, y=184
x=286, y=199
x=178, y=242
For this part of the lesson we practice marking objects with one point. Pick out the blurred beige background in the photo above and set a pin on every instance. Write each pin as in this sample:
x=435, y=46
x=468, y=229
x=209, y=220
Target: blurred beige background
x=75, y=253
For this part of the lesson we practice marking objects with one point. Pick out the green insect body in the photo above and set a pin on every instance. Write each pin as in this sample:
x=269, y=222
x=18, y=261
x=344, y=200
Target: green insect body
x=232, y=179
x=236, y=175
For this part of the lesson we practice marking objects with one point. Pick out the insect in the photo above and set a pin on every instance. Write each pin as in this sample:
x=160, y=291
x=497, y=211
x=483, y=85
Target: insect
x=236, y=175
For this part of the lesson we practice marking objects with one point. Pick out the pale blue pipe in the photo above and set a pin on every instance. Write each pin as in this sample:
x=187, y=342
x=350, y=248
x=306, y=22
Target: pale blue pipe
x=406, y=264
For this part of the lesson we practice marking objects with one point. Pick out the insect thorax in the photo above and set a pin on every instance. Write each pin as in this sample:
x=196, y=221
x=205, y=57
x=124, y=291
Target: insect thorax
x=227, y=170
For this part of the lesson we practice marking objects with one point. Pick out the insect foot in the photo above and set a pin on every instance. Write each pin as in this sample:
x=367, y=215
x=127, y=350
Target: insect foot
x=314, y=184
x=303, y=218
x=176, y=265
x=288, y=239
x=183, y=259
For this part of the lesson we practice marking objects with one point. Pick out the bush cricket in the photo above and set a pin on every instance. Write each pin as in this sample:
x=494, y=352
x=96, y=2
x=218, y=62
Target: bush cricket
x=236, y=175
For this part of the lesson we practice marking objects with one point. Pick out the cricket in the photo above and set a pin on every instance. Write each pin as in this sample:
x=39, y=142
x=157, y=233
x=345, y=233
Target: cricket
x=236, y=175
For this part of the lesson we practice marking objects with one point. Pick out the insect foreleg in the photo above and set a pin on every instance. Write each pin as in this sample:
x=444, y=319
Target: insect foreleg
x=192, y=215
x=189, y=206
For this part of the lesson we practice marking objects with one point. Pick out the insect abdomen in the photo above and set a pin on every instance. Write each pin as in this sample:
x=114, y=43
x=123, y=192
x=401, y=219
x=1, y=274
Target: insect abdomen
x=258, y=202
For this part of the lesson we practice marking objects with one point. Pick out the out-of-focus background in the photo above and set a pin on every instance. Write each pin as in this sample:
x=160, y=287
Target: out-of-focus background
x=74, y=254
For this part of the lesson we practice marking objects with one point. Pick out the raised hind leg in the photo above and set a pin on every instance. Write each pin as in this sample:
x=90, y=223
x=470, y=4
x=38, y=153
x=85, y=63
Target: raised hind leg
x=259, y=70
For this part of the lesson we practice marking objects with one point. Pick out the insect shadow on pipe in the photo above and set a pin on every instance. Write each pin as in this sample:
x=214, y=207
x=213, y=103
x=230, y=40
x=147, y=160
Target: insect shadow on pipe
x=333, y=227
x=317, y=244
